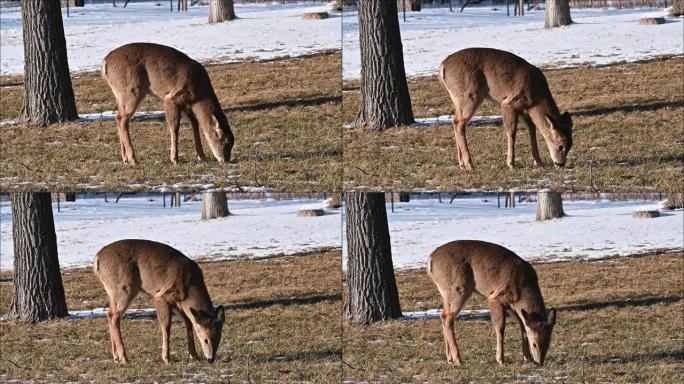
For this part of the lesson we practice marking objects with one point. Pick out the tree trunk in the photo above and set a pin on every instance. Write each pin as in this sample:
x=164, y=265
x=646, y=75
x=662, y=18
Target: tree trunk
x=412, y=5
x=557, y=13
x=38, y=289
x=214, y=205
x=385, y=99
x=372, y=290
x=48, y=95
x=221, y=10
x=549, y=205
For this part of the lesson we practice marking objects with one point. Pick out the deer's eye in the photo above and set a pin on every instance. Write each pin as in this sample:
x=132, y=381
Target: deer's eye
x=560, y=148
x=206, y=341
x=533, y=344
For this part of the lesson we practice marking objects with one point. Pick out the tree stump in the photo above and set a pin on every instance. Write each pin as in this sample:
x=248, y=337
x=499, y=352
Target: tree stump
x=677, y=8
x=315, y=15
x=645, y=214
x=214, y=205
x=549, y=205
x=310, y=212
x=651, y=20
x=674, y=201
x=335, y=201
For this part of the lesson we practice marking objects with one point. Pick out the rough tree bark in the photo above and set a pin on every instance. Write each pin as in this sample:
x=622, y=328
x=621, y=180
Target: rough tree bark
x=372, y=290
x=221, y=10
x=48, y=95
x=385, y=100
x=214, y=205
x=557, y=13
x=549, y=205
x=38, y=289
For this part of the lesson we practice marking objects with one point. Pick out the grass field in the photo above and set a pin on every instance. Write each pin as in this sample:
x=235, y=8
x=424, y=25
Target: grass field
x=282, y=325
x=285, y=115
x=619, y=321
x=628, y=126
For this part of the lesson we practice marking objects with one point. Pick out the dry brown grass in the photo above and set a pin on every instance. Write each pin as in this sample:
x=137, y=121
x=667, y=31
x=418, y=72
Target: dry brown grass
x=628, y=128
x=283, y=323
x=619, y=321
x=285, y=115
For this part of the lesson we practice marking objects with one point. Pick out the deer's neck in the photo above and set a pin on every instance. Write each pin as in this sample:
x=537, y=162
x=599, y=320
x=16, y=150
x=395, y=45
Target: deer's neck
x=196, y=297
x=531, y=301
x=546, y=107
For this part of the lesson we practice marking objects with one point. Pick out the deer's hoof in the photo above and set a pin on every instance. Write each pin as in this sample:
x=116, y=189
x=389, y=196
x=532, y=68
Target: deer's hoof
x=501, y=362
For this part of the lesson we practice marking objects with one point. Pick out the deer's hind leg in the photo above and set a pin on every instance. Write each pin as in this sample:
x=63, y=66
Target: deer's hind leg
x=464, y=108
x=120, y=299
x=510, y=121
x=453, y=300
x=127, y=99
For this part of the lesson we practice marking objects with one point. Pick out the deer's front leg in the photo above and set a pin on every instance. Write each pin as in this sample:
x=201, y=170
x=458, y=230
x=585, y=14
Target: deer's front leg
x=173, y=121
x=164, y=317
x=532, y=129
x=510, y=121
x=196, y=135
x=191, y=336
x=525, y=343
x=499, y=322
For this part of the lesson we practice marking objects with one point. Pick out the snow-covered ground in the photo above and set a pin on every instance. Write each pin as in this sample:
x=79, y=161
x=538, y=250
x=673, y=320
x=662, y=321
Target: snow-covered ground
x=256, y=228
x=591, y=229
x=262, y=31
x=598, y=37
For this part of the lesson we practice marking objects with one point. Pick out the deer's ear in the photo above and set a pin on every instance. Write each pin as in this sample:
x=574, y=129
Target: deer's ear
x=525, y=317
x=195, y=314
x=549, y=122
x=551, y=316
x=215, y=124
x=220, y=315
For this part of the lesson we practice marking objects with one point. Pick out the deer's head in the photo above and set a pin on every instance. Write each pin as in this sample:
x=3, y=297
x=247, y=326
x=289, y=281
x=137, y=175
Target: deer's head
x=538, y=329
x=220, y=137
x=558, y=136
x=208, y=328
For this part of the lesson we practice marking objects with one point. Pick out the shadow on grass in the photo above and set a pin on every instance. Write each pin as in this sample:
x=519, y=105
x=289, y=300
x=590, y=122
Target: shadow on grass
x=641, y=357
x=303, y=356
x=641, y=107
x=307, y=300
x=622, y=303
x=300, y=102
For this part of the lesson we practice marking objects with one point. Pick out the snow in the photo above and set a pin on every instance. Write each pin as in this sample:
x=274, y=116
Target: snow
x=256, y=228
x=598, y=37
x=261, y=32
x=432, y=314
x=591, y=229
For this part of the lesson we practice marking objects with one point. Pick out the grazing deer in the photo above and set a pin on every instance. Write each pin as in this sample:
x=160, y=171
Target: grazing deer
x=175, y=282
x=474, y=74
x=460, y=268
x=134, y=70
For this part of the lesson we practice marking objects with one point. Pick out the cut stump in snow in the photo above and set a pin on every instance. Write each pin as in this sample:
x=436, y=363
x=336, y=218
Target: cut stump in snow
x=645, y=214
x=652, y=20
x=310, y=212
x=315, y=15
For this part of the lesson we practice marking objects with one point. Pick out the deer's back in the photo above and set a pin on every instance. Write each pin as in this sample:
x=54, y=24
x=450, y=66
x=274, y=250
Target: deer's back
x=163, y=69
x=496, y=73
x=154, y=265
x=490, y=266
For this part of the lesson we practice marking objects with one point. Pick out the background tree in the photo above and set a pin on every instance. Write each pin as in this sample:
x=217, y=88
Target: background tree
x=38, y=289
x=557, y=13
x=385, y=99
x=372, y=289
x=48, y=95
x=221, y=10
x=214, y=205
x=549, y=205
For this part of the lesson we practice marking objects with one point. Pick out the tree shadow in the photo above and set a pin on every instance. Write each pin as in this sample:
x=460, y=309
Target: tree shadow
x=640, y=357
x=641, y=107
x=622, y=303
x=305, y=300
x=299, y=102
x=312, y=355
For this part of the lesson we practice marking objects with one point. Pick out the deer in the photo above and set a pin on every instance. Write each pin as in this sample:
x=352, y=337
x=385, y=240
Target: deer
x=509, y=283
x=176, y=284
x=135, y=70
x=474, y=74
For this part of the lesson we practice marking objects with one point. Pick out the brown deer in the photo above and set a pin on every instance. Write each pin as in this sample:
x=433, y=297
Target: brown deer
x=508, y=282
x=175, y=282
x=134, y=70
x=474, y=74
